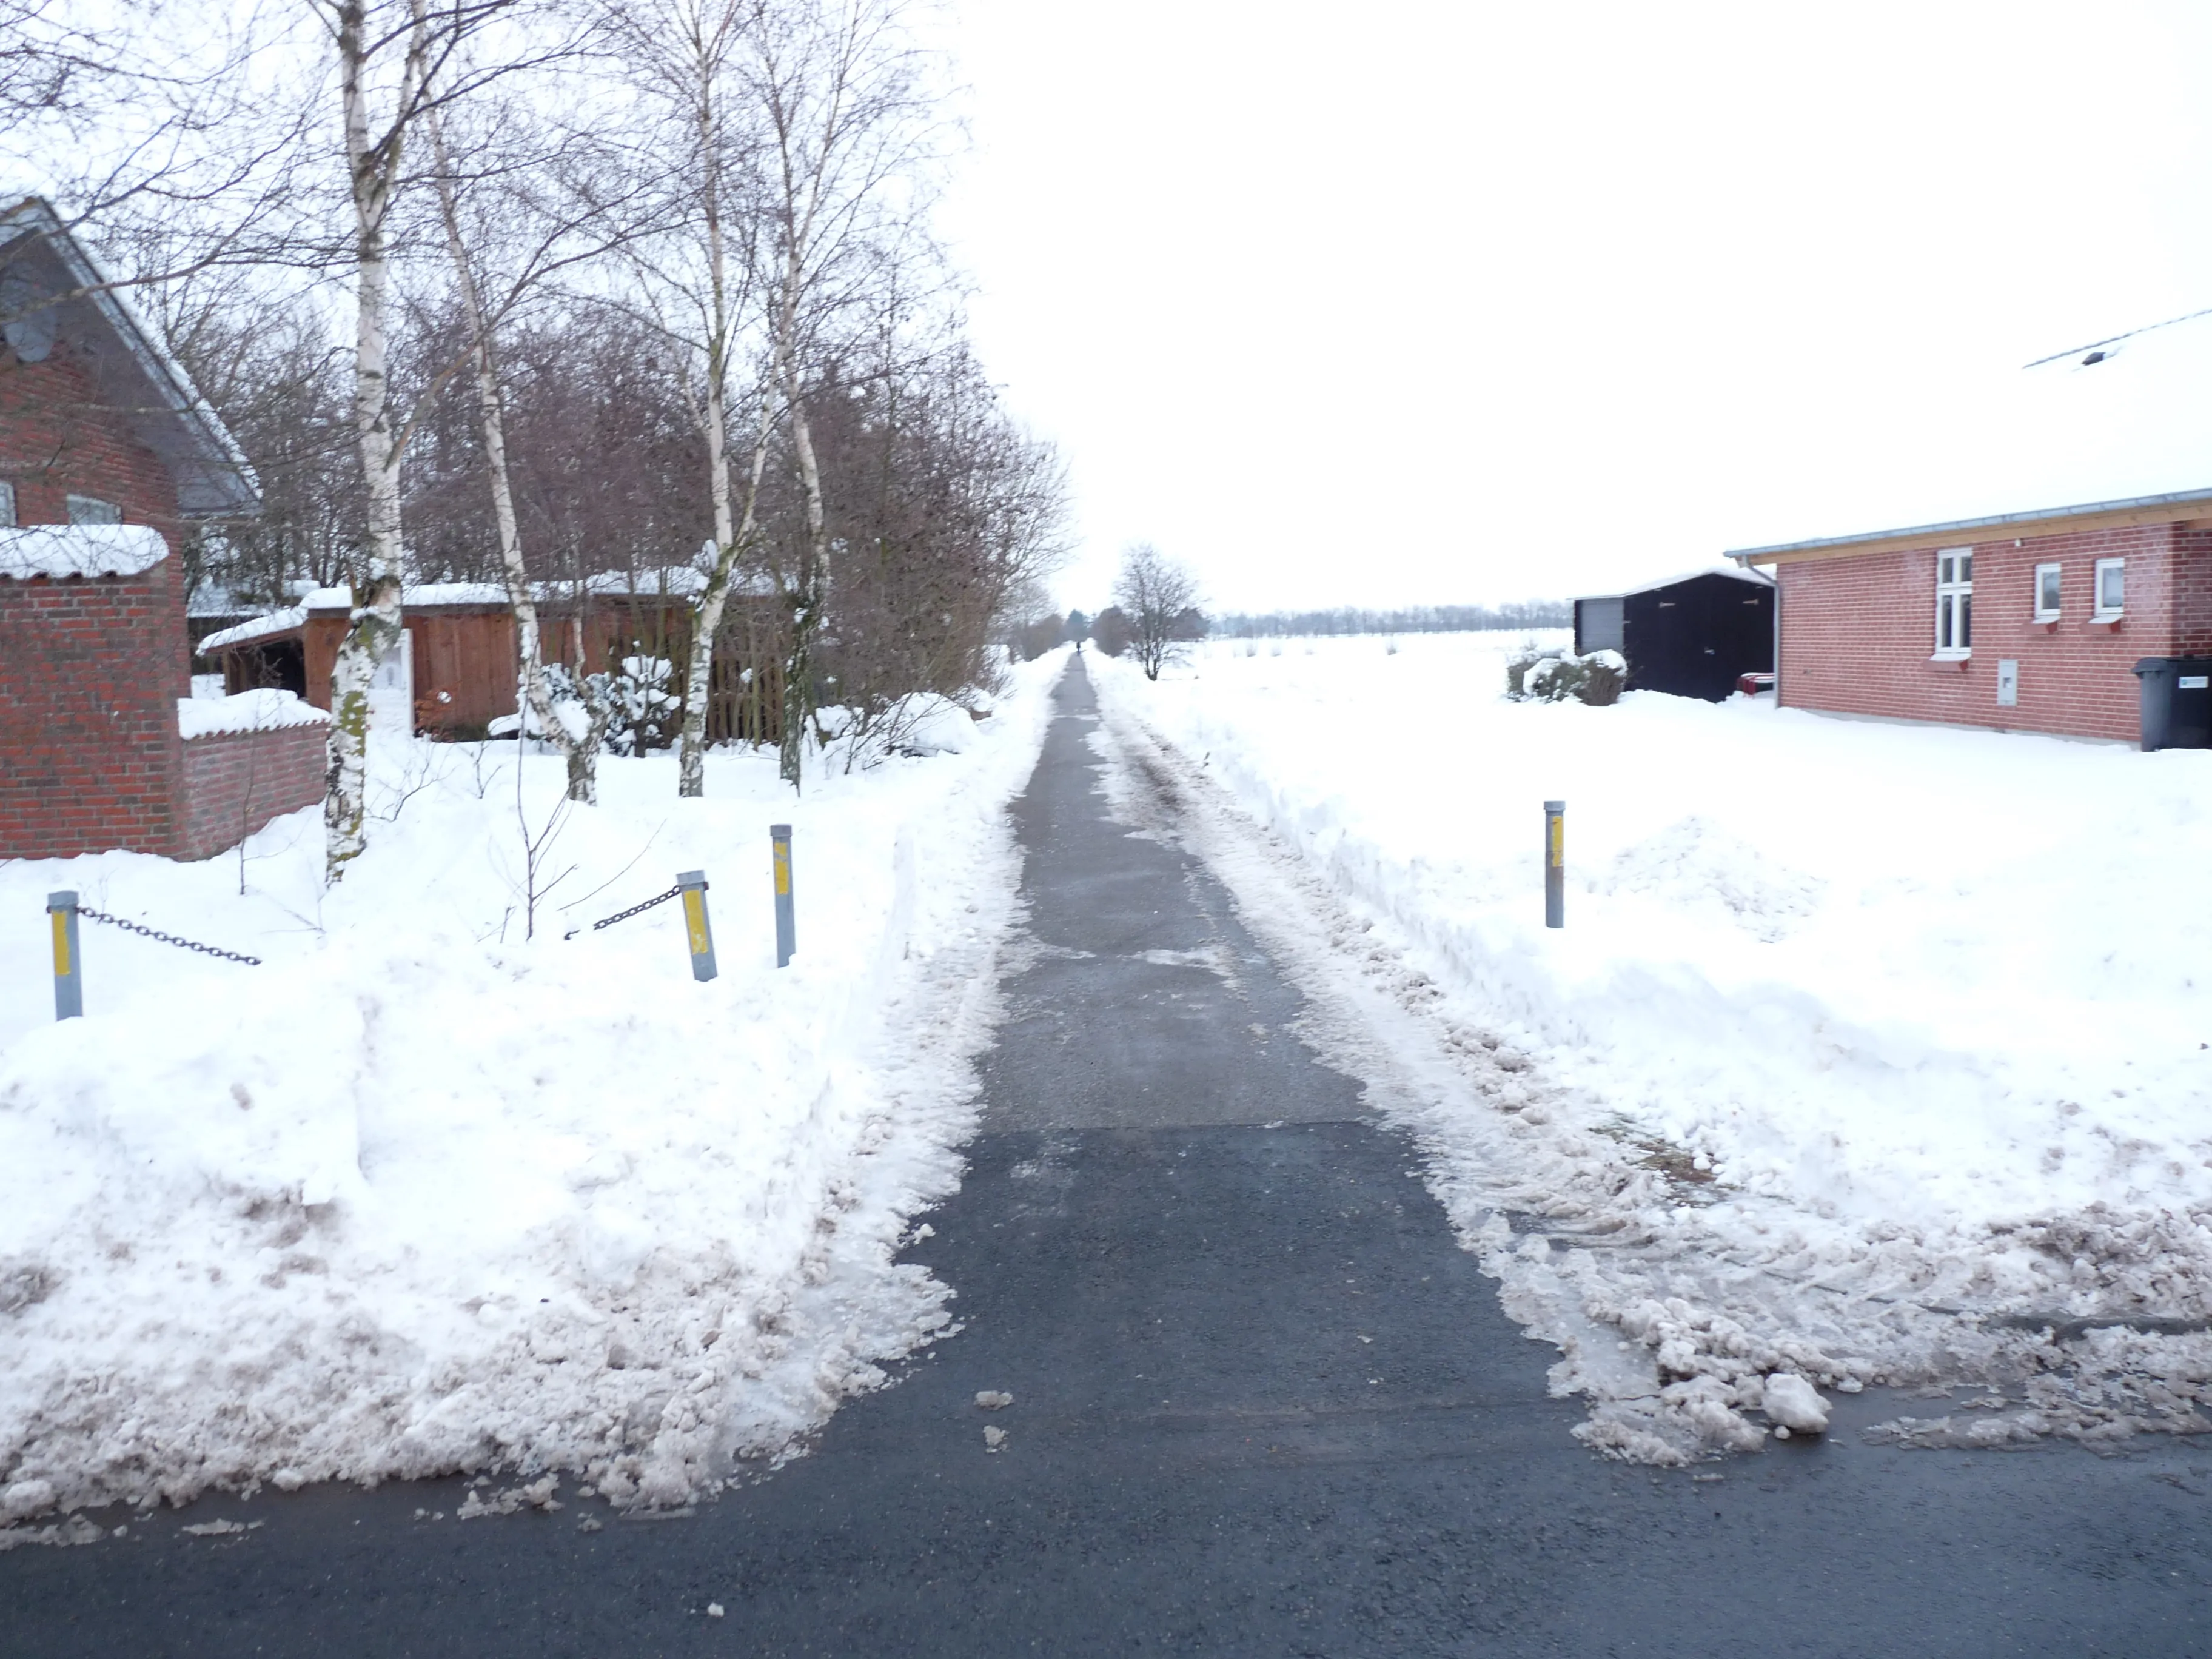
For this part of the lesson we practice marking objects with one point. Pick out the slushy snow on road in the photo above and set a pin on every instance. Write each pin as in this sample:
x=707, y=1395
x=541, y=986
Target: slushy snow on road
x=1868, y=1052
x=436, y=1187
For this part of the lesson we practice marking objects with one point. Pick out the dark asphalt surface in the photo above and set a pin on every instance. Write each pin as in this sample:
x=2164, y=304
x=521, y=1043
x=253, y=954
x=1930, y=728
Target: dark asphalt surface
x=1263, y=1405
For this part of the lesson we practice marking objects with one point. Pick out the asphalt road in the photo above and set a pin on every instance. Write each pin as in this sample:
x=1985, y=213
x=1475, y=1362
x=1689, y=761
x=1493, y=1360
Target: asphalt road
x=1263, y=1405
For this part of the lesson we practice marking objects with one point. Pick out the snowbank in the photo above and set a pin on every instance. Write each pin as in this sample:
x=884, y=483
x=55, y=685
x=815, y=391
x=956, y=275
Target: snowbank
x=264, y=710
x=428, y=1193
x=1867, y=1051
x=56, y=550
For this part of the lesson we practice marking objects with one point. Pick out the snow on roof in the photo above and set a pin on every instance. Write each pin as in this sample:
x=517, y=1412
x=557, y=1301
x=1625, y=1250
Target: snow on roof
x=677, y=582
x=264, y=710
x=80, y=550
x=261, y=628
x=1734, y=572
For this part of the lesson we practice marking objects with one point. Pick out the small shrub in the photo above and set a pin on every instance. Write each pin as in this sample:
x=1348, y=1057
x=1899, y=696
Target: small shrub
x=1554, y=677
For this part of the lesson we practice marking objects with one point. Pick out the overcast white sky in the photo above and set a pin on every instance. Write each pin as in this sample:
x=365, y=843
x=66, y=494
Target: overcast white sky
x=1403, y=302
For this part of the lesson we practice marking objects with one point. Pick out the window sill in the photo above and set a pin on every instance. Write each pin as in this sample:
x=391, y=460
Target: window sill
x=2046, y=619
x=1961, y=657
x=2107, y=618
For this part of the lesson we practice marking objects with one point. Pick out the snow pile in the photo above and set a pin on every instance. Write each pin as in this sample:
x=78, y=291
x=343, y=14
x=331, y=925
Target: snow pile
x=1868, y=1053
x=264, y=710
x=437, y=1189
x=56, y=550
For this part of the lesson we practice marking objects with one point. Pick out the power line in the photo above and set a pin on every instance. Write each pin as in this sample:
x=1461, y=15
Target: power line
x=2096, y=345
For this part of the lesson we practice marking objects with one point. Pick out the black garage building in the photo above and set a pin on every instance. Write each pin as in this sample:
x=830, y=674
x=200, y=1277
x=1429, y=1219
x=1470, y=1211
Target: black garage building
x=1690, y=636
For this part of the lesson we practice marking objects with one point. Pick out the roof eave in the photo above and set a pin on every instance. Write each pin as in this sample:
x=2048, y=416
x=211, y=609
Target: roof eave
x=225, y=459
x=2173, y=508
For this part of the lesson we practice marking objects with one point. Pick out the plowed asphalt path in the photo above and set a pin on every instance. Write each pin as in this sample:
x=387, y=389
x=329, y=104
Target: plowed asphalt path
x=1263, y=1404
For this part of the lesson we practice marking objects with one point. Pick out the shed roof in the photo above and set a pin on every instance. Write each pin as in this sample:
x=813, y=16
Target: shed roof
x=2181, y=507
x=1728, y=572
x=40, y=256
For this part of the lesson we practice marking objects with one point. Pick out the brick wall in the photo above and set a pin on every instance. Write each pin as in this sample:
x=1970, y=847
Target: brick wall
x=90, y=671
x=1858, y=632
x=59, y=436
x=234, y=782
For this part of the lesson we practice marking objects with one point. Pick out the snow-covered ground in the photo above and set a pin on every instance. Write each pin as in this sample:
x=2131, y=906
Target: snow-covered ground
x=434, y=1189
x=1868, y=1052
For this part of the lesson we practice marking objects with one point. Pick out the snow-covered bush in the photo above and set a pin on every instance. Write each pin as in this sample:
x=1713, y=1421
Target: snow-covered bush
x=645, y=714
x=1554, y=677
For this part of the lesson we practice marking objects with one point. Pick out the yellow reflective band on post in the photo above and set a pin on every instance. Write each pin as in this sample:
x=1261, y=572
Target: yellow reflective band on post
x=61, y=943
x=782, y=868
x=695, y=920
x=1559, y=839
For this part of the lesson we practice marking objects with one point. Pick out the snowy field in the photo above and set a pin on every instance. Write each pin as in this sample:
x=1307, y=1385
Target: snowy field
x=1868, y=1052
x=433, y=1189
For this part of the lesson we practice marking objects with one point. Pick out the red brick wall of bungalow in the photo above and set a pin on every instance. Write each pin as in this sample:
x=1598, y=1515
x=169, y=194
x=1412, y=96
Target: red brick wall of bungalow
x=1860, y=627
x=92, y=667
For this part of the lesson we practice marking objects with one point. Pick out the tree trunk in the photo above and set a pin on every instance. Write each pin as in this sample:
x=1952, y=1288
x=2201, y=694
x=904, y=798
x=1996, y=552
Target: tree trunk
x=580, y=750
x=376, y=622
x=734, y=522
x=813, y=580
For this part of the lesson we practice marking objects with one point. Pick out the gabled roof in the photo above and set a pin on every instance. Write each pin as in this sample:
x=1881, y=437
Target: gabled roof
x=1726, y=572
x=2181, y=507
x=213, y=478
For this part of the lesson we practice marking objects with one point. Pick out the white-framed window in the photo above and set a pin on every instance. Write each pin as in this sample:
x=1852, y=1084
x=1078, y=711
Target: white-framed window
x=2047, y=592
x=90, y=509
x=7, y=506
x=2108, y=597
x=1954, y=601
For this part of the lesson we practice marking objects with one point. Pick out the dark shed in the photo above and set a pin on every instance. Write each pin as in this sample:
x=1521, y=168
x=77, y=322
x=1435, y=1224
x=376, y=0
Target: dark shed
x=1691, y=636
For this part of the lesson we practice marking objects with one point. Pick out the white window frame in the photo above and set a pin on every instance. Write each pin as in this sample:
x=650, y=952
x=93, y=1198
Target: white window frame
x=1954, y=604
x=91, y=509
x=2098, y=609
x=2055, y=571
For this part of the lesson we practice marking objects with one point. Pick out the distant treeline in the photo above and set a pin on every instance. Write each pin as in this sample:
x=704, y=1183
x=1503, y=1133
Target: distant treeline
x=1413, y=619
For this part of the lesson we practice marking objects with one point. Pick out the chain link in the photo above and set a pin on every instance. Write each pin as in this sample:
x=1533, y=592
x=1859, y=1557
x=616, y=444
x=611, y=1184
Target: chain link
x=167, y=939
x=634, y=910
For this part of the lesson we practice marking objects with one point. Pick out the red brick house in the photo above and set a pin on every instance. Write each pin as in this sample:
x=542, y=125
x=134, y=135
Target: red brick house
x=108, y=457
x=2027, y=622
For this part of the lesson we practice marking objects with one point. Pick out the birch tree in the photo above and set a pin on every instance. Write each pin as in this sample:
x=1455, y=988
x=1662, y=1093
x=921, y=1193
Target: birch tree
x=797, y=122
x=847, y=130
x=697, y=283
x=399, y=52
x=575, y=728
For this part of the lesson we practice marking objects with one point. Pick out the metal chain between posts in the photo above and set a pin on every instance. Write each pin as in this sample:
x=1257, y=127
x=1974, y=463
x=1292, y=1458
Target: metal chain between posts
x=634, y=910
x=167, y=939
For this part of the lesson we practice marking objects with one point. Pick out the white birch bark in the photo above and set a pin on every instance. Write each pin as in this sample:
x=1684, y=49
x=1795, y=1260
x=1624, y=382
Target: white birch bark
x=579, y=749
x=376, y=621
x=736, y=513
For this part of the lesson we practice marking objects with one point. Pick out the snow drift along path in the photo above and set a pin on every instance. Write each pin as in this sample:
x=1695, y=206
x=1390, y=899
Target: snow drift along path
x=1868, y=1052
x=423, y=1194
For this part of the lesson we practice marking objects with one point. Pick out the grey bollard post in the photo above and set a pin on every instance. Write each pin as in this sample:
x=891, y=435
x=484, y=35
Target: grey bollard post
x=696, y=928
x=787, y=926
x=68, y=966
x=1555, y=864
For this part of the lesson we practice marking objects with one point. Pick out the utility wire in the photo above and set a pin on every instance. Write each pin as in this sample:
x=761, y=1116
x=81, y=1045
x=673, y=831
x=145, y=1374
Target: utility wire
x=2095, y=345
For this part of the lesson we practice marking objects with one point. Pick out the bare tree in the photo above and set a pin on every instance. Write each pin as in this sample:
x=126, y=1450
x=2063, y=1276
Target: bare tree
x=1154, y=593
x=396, y=57
x=700, y=286
x=803, y=131
x=550, y=244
